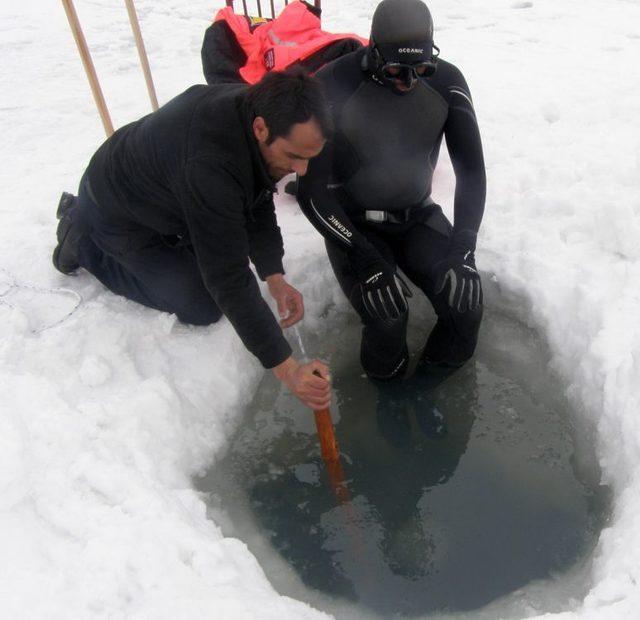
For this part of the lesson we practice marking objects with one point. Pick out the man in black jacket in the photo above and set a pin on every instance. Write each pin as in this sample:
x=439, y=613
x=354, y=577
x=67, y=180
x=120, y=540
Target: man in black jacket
x=369, y=191
x=172, y=208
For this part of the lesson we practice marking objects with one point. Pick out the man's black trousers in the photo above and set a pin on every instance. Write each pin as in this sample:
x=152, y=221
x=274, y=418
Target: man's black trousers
x=416, y=247
x=140, y=264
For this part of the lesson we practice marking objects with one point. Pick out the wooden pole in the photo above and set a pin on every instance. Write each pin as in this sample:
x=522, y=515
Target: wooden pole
x=89, y=69
x=330, y=454
x=142, y=53
x=328, y=444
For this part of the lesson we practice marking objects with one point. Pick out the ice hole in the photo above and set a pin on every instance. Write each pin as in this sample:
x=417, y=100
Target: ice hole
x=473, y=492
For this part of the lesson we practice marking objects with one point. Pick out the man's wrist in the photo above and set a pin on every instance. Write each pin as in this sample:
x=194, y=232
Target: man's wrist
x=285, y=369
x=463, y=241
x=275, y=279
x=364, y=261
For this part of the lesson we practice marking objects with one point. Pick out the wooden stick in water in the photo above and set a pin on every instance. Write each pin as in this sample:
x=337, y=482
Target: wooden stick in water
x=331, y=454
x=328, y=444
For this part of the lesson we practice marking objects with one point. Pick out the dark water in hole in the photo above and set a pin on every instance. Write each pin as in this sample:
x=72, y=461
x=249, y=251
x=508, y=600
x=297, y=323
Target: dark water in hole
x=461, y=489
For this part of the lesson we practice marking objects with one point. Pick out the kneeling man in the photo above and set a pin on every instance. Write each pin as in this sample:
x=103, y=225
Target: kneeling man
x=173, y=207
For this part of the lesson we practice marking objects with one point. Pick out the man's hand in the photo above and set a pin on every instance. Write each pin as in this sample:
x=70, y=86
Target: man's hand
x=309, y=382
x=289, y=300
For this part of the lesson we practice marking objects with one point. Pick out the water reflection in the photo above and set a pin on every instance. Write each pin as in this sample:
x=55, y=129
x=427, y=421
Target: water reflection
x=461, y=488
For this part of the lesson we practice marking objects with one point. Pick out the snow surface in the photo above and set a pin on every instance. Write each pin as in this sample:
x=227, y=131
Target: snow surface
x=107, y=415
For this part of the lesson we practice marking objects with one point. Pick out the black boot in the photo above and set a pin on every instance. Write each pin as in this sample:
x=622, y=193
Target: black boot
x=65, y=255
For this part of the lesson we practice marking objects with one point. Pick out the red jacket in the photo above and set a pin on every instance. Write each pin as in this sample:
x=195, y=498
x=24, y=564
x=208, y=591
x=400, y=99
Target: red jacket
x=272, y=46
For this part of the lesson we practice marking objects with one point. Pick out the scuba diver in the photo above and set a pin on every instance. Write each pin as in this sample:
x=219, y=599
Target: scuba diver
x=369, y=192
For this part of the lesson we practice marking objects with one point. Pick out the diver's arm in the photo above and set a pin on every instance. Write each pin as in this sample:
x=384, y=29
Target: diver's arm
x=323, y=209
x=465, y=149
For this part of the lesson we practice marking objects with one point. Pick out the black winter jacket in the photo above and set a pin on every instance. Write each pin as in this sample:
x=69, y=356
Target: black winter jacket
x=193, y=169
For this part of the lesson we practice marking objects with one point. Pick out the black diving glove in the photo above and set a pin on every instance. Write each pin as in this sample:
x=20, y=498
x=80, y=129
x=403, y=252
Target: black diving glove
x=384, y=293
x=456, y=275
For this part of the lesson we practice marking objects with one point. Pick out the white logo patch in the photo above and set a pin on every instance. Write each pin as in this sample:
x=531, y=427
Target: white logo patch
x=340, y=226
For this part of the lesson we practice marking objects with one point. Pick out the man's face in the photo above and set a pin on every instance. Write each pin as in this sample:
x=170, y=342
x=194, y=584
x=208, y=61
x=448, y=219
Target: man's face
x=404, y=77
x=291, y=153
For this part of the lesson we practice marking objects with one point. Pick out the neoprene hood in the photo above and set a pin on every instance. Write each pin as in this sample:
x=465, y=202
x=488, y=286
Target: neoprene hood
x=402, y=31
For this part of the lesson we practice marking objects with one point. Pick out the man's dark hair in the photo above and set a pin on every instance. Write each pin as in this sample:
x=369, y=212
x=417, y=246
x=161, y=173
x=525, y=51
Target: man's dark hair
x=284, y=98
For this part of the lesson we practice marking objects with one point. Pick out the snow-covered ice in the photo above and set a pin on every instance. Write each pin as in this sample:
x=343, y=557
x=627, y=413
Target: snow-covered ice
x=107, y=415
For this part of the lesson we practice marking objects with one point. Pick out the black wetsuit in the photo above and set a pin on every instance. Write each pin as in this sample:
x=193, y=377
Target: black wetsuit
x=382, y=158
x=176, y=204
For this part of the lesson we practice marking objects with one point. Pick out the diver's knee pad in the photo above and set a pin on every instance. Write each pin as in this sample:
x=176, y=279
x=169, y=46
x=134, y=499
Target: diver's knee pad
x=454, y=338
x=383, y=352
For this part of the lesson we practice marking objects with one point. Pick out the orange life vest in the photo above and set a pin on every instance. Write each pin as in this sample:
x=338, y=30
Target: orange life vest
x=273, y=45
